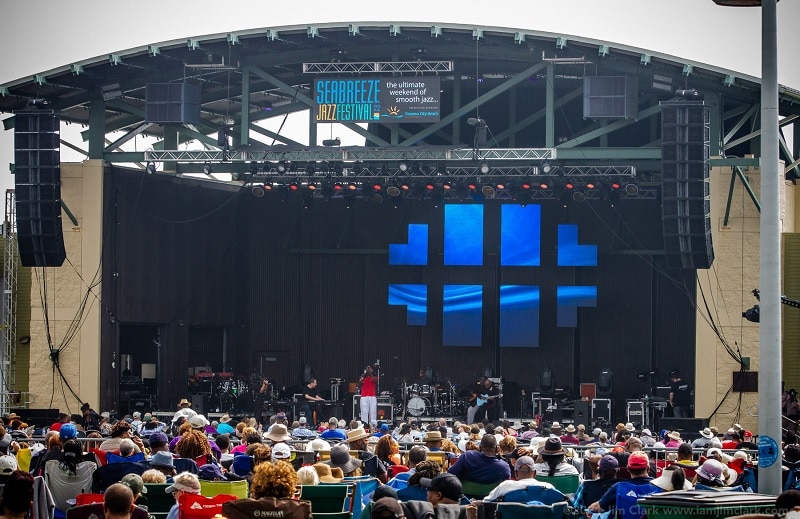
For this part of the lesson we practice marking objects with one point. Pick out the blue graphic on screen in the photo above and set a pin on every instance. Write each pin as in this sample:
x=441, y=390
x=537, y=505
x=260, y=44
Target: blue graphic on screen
x=462, y=315
x=570, y=298
x=414, y=298
x=463, y=234
x=415, y=252
x=520, y=235
x=519, y=316
x=570, y=253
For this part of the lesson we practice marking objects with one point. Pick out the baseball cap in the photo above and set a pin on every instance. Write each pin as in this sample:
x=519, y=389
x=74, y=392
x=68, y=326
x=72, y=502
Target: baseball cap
x=638, y=460
x=158, y=438
x=135, y=483
x=525, y=461
x=281, y=451
x=608, y=462
x=67, y=431
x=198, y=421
x=8, y=464
x=302, y=420
x=446, y=483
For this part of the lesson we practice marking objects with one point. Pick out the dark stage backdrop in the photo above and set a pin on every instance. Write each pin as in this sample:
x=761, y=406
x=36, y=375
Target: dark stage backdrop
x=291, y=287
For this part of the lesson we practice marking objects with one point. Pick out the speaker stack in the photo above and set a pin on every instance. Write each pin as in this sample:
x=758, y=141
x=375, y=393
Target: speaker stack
x=685, y=200
x=37, y=188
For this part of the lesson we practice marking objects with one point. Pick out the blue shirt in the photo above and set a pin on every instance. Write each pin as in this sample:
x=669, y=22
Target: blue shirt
x=479, y=468
x=333, y=434
x=225, y=428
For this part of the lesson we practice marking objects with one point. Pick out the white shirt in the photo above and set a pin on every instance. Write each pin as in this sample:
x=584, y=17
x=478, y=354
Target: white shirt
x=511, y=485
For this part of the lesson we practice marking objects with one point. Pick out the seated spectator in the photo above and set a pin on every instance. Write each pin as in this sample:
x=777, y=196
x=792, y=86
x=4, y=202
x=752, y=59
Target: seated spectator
x=340, y=457
x=163, y=462
x=119, y=431
x=118, y=502
x=272, y=489
x=135, y=483
x=672, y=478
x=524, y=472
x=416, y=455
x=387, y=450
x=443, y=489
x=194, y=445
x=154, y=476
x=69, y=475
x=326, y=474
x=484, y=465
x=387, y=508
x=415, y=491
x=629, y=490
x=592, y=490
x=552, y=463
x=307, y=476
x=17, y=496
x=713, y=474
x=276, y=480
x=183, y=483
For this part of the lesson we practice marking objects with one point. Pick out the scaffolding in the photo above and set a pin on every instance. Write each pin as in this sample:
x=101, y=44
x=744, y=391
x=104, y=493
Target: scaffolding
x=9, y=396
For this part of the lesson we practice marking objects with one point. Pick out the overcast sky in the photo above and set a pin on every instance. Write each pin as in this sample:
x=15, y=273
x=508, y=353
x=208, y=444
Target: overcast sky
x=39, y=36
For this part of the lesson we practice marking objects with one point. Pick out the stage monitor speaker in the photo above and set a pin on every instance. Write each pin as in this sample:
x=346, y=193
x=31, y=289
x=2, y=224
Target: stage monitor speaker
x=37, y=188
x=688, y=427
x=172, y=103
x=581, y=414
x=385, y=409
x=685, y=199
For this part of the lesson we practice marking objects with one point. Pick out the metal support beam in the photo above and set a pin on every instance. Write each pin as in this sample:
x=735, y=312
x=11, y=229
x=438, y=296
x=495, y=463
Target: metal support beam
x=74, y=148
x=128, y=136
x=549, y=118
x=272, y=135
x=244, y=123
x=464, y=110
x=532, y=118
x=715, y=124
x=746, y=117
x=70, y=214
x=616, y=125
x=97, y=127
x=731, y=189
x=171, y=143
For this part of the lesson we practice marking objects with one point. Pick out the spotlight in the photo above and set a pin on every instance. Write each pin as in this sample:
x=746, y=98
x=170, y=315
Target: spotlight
x=632, y=189
x=253, y=168
x=352, y=187
x=403, y=167
x=429, y=185
x=405, y=186
x=393, y=191
x=151, y=168
x=447, y=186
x=579, y=196
x=548, y=167
x=257, y=190
x=294, y=186
x=282, y=167
x=525, y=185
x=569, y=185
x=332, y=142
x=501, y=184
x=484, y=168
x=487, y=190
x=590, y=185
x=544, y=185
x=311, y=187
x=207, y=169
x=338, y=186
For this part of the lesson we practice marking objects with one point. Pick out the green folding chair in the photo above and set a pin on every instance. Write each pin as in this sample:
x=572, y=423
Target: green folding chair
x=158, y=501
x=326, y=499
x=565, y=484
x=477, y=490
x=215, y=488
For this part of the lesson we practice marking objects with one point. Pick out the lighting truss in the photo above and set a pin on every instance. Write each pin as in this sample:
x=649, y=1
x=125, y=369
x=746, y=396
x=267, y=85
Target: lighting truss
x=319, y=154
x=377, y=66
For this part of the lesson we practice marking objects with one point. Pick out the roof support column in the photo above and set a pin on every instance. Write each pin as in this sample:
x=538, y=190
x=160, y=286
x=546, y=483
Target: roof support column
x=312, y=128
x=456, y=106
x=97, y=127
x=549, y=116
x=244, y=138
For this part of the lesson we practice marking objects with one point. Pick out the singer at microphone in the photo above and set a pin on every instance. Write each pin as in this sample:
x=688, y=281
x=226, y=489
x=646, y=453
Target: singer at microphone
x=368, y=401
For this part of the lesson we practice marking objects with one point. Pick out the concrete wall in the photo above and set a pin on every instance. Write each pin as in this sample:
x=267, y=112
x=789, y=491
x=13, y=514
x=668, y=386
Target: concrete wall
x=71, y=327
x=728, y=290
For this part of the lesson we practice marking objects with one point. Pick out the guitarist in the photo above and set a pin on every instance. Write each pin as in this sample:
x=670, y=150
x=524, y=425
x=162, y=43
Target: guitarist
x=483, y=401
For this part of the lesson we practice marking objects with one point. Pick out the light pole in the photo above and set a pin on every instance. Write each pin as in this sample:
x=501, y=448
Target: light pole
x=769, y=354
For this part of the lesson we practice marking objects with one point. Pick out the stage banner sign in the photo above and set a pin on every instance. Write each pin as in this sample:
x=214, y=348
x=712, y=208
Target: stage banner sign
x=386, y=100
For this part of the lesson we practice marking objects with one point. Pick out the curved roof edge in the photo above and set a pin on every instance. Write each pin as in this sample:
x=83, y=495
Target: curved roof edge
x=375, y=24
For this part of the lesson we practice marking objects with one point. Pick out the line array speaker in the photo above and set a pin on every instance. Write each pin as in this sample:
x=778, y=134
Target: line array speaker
x=177, y=103
x=37, y=188
x=685, y=200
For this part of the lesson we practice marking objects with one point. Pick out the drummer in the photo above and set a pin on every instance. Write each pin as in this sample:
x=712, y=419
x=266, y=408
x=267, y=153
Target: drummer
x=424, y=378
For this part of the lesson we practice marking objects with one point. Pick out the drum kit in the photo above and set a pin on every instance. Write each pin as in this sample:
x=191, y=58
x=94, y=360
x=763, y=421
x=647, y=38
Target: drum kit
x=429, y=400
x=225, y=391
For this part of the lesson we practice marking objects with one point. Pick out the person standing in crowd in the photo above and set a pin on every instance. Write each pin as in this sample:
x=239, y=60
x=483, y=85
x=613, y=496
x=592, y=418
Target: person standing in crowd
x=369, y=395
x=679, y=395
x=91, y=418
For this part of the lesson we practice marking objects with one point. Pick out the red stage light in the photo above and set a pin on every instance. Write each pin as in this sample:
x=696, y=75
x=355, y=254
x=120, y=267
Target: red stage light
x=569, y=185
x=543, y=185
x=615, y=185
x=590, y=185
x=293, y=186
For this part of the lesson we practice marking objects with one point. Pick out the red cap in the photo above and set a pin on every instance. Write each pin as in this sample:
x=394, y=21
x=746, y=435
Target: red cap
x=638, y=460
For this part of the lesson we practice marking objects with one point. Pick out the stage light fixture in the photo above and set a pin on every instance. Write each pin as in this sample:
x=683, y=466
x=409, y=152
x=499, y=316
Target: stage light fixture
x=447, y=185
x=327, y=188
x=281, y=167
x=257, y=190
x=487, y=190
x=546, y=167
x=268, y=186
x=294, y=186
x=500, y=184
x=311, y=186
x=405, y=186
x=544, y=185
x=352, y=186
x=632, y=189
x=207, y=168
x=254, y=168
x=569, y=185
x=332, y=142
x=403, y=167
x=393, y=190
x=484, y=168
x=150, y=168
x=472, y=186
x=615, y=185
x=311, y=168
x=358, y=167
x=579, y=196
x=429, y=185
x=525, y=185
x=590, y=185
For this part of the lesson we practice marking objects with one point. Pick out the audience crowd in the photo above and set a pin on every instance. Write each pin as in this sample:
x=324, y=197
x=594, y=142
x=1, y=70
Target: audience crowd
x=418, y=468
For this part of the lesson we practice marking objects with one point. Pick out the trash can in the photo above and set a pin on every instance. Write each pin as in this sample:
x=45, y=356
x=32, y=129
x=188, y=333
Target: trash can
x=709, y=504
